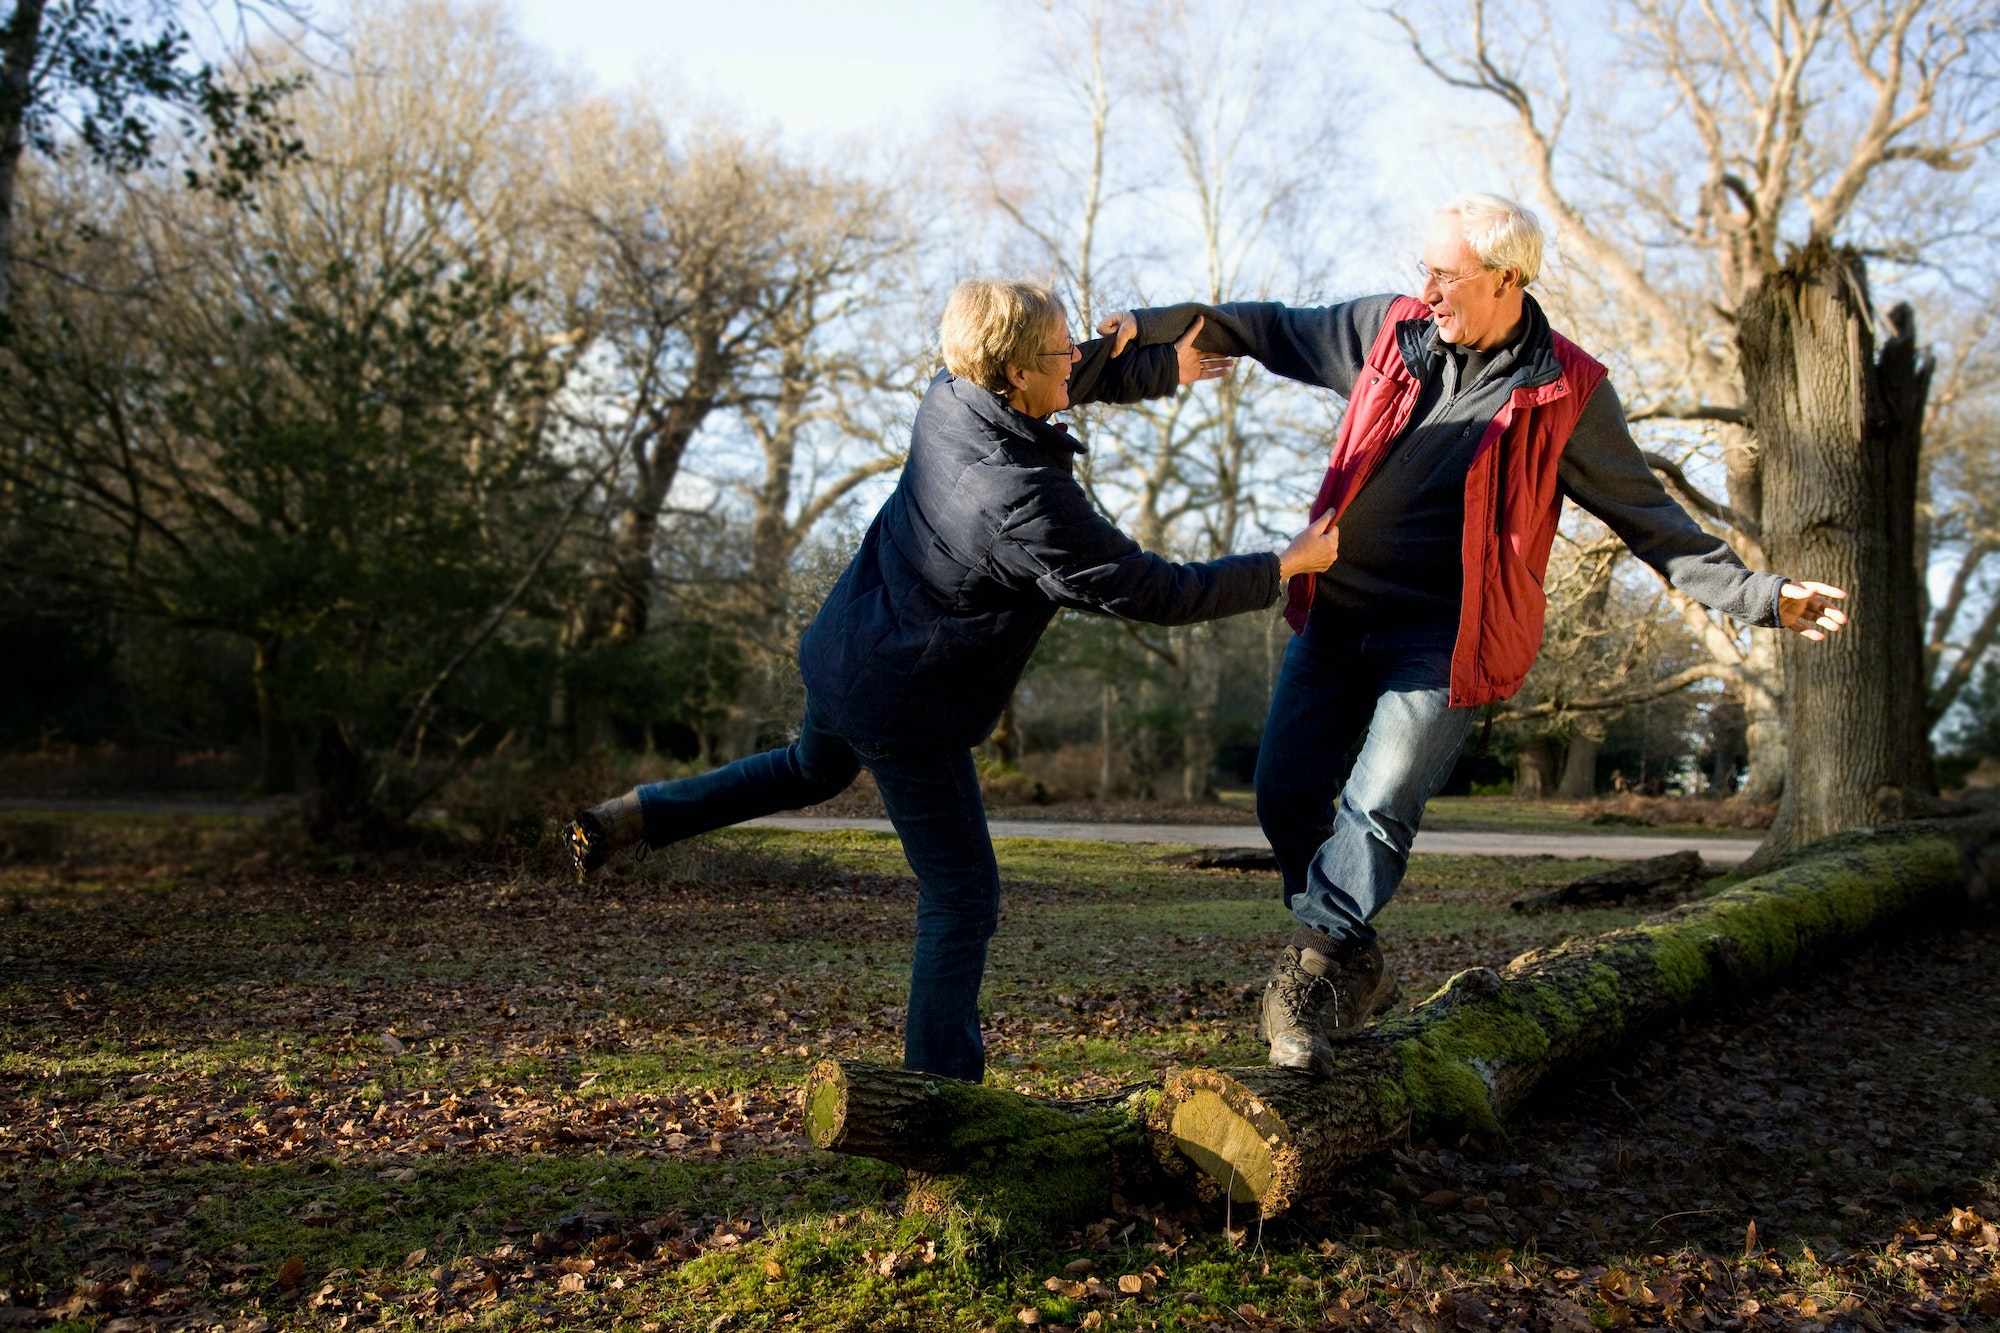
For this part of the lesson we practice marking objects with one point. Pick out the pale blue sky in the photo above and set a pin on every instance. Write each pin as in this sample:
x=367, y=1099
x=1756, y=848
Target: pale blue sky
x=812, y=67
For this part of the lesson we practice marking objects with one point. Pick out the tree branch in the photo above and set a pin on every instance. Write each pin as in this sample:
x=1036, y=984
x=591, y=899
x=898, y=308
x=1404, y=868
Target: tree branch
x=1680, y=680
x=1734, y=416
x=1947, y=691
x=1715, y=509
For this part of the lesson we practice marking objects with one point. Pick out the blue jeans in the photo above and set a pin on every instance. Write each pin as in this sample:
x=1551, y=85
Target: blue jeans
x=932, y=796
x=1360, y=737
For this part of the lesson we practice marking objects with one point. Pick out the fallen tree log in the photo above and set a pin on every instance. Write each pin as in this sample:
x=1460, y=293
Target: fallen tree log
x=1024, y=1162
x=1461, y=1060
x=1656, y=877
x=1472, y=1052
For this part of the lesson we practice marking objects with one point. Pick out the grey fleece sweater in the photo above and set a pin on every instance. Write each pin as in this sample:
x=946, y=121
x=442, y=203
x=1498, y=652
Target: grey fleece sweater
x=1400, y=558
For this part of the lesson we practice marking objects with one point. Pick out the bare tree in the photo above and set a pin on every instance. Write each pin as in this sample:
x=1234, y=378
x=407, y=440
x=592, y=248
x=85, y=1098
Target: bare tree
x=683, y=244
x=820, y=379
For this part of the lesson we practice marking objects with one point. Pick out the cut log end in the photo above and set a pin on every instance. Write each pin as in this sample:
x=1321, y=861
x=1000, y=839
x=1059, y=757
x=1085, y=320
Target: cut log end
x=825, y=1104
x=1228, y=1123
x=1218, y=1129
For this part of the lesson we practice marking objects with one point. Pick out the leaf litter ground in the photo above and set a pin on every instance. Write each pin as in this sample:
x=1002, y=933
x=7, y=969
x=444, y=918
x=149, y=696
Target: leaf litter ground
x=245, y=1085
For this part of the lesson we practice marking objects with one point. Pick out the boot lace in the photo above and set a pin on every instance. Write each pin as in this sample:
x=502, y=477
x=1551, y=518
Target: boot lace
x=1300, y=995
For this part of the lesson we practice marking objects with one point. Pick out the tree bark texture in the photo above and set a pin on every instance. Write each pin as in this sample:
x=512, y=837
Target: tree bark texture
x=1839, y=430
x=1460, y=1061
x=20, y=43
x=1579, y=770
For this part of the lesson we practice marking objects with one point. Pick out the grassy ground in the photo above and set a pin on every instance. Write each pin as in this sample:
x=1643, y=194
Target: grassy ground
x=243, y=1084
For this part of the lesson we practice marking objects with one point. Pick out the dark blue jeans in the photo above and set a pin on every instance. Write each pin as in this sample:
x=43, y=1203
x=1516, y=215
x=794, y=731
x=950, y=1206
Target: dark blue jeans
x=1360, y=737
x=932, y=795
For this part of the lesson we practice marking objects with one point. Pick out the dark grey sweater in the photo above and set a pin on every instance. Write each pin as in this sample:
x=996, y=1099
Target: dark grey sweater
x=1400, y=539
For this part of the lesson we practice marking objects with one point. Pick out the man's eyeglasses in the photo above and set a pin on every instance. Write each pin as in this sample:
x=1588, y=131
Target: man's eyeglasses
x=1065, y=353
x=1442, y=277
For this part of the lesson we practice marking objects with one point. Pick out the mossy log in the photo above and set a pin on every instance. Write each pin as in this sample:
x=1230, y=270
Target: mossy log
x=1468, y=1055
x=1022, y=1163
x=1461, y=1060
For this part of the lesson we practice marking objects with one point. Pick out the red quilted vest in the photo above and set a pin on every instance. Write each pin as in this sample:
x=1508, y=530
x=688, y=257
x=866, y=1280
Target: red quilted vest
x=1511, y=502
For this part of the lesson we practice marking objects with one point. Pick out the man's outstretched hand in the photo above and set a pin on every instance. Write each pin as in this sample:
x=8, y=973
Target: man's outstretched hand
x=1198, y=366
x=1194, y=366
x=1312, y=550
x=1809, y=608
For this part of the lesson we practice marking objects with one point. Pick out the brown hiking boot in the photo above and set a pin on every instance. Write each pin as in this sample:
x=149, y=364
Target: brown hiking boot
x=1321, y=988
x=603, y=829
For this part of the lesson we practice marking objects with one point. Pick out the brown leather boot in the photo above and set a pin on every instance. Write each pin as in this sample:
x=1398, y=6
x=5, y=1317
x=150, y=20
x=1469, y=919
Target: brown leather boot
x=1320, y=988
x=603, y=829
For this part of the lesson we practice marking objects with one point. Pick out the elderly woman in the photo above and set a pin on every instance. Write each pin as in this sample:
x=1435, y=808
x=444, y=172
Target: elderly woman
x=918, y=647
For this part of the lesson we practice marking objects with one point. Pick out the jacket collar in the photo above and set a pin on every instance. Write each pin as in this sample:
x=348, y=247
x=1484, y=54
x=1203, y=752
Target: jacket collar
x=1535, y=363
x=990, y=408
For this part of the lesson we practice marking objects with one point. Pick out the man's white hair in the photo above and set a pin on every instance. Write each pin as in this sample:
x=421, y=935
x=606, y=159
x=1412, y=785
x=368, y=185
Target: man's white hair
x=1502, y=233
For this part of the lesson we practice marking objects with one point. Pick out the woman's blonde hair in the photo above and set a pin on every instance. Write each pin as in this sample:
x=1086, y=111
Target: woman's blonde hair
x=992, y=323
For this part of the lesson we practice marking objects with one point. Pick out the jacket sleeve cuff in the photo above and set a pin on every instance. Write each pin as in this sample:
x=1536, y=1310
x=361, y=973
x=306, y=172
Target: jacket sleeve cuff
x=1777, y=611
x=1277, y=578
x=1163, y=324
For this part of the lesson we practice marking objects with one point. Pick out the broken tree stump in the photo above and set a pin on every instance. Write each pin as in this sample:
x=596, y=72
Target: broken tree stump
x=1467, y=1056
x=1666, y=876
x=1023, y=1162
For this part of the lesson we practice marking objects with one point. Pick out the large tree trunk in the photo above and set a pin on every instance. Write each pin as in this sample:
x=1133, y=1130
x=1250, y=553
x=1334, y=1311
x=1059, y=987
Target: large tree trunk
x=278, y=754
x=1579, y=770
x=1535, y=769
x=1461, y=1060
x=1764, y=724
x=1839, y=432
x=20, y=44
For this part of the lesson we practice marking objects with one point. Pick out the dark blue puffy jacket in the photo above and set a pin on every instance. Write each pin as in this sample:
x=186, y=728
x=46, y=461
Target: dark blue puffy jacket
x=986, y=536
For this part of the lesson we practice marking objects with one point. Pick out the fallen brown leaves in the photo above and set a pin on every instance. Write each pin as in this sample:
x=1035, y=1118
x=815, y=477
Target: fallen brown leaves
x=584, y=1251
x=195, y=1118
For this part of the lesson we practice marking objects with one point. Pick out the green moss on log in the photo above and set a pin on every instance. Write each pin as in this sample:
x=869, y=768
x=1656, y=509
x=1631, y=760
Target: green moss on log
x=1468, y=1055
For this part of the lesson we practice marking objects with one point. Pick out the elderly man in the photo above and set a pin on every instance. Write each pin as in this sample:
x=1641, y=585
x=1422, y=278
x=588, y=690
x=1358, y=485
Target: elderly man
x=1468, y=420
x=920, y=643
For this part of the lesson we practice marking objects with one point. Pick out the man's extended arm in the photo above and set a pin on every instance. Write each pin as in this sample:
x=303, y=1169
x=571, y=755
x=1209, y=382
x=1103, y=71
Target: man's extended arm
x=1323, y=346
x=1602, y=470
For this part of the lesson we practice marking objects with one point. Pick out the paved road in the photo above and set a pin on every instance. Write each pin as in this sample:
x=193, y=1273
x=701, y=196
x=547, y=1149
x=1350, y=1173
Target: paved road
x=1719, y=851
x=1609, y=846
